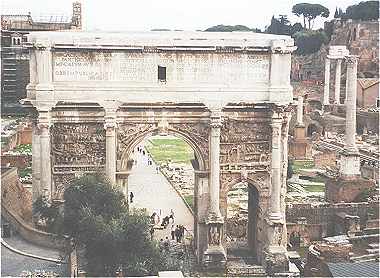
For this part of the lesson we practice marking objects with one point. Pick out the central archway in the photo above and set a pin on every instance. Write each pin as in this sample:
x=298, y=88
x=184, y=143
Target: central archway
x=199, y=166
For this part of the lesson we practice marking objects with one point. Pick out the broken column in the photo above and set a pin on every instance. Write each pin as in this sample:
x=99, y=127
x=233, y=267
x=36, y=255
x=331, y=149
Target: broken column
x=299, y=145
x=326, y=90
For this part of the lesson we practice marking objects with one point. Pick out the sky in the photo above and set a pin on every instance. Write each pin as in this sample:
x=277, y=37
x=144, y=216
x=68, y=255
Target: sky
x=191, y=15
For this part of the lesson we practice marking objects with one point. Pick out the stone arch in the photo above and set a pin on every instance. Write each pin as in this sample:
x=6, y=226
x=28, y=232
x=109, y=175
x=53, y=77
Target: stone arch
x=127, y=151
x=256, y=207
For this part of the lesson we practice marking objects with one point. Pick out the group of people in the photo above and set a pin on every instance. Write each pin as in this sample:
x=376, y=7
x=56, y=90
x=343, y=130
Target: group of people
x=178, y=232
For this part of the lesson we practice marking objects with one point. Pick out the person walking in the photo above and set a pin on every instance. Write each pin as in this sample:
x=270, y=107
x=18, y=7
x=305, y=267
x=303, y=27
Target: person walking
x=173, y=232
x=151, y=233
x=177, y=233
x=131, y=196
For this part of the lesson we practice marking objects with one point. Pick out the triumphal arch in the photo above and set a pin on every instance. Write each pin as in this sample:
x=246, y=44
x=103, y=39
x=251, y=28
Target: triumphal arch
x=96, y=96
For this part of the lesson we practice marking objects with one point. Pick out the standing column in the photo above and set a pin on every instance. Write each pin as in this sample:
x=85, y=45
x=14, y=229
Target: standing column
x=351, y=88
x=111, y=151
x=36, y=162
x=337, y=81
x=300, y=111
x=275, y=197
x=216, y=124
x=326, y=91
x=45, y=171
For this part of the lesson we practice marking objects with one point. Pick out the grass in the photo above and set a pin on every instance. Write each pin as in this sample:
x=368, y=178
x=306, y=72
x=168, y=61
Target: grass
x=24, y=148
x=173, y=149
x=25, y=172
x=315, y=188
x=189, y=200
x=297, y=165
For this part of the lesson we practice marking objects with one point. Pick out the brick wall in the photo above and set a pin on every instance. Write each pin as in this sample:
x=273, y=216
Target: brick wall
x=320, y=218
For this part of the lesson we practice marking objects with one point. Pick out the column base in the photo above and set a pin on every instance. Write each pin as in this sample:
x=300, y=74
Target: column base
x=215, y=259
x=276, y=260
x=350, y=164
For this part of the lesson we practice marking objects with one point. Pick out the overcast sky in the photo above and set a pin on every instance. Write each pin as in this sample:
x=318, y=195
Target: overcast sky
x=140, y=15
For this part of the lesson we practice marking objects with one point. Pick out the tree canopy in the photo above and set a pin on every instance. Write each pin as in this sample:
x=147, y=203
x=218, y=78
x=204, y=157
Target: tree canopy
x=231, y=28
x=368, y=10
x=310, y=12
x=97, y=218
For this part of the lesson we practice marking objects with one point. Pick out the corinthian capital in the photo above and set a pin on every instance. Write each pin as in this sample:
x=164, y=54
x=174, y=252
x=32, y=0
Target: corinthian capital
x=351, y=59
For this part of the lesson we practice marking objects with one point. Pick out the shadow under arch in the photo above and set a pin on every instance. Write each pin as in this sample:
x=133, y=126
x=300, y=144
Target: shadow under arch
x=252, y=248
x=200, y=160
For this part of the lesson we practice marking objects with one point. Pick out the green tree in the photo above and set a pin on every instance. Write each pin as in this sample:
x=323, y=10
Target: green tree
x=310, y=12
x=309, y=41
x=97, y=218
x=336, y=14
x=231, y=28
x=368, y=10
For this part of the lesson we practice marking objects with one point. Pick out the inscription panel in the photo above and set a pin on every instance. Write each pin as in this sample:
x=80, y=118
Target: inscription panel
x=138, y=67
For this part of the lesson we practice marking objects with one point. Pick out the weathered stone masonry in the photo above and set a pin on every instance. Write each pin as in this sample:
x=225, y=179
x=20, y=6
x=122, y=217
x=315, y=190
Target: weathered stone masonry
x=227, y=95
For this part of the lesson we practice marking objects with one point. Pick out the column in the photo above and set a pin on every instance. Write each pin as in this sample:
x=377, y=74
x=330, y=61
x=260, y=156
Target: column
x=351, y=88
x=337, y=81
x=111, y=151
x=300, y=111
x=36, y=163
x=216, y=124
x=350, y=159
x=326, y=91
x=45, y=171
x=275, y=197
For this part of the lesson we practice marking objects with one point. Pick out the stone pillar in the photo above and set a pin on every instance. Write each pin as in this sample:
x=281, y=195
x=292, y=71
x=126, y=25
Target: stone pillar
x=45, y=170
x=276, y=259
x=326, y=91
x=351, y=88
x=216, y=124
x=111, y=152
x=337, y=81
x=36, y=163
x=300, y=111
x=214, y=257
x=275, y=208
x=110, y=108
x=350, y=160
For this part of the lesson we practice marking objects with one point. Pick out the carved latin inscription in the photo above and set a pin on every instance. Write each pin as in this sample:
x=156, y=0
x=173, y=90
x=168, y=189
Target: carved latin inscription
x=135, y=67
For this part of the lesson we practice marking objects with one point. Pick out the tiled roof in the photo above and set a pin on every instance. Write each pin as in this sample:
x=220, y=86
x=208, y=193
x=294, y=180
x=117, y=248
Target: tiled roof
x=367, y=82
x=361, y=269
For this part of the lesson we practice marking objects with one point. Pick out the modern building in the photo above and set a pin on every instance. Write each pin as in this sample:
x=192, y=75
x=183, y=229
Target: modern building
x=15, y=57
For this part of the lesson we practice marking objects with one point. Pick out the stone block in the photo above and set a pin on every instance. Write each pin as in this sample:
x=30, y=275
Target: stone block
x=276, y=260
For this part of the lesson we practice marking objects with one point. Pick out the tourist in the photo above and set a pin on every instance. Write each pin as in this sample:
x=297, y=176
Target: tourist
x=143, y=152
x=177, y=233
x=161, y=245
x=173, y=232
x=151, y=233
x=166, y=244
x=131, y=196
x=157, y=169
x=172, y=213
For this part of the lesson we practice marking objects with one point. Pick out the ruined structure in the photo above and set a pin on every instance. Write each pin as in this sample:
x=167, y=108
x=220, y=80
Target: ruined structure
x=300, y=145
x=349, y=184
x=226, y=94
